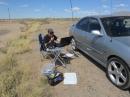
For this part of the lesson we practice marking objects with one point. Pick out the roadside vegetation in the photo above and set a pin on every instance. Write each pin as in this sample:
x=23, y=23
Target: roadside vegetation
x=17, y=79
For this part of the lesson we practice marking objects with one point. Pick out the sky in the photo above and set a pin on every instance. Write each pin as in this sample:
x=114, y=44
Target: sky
x=59, y=8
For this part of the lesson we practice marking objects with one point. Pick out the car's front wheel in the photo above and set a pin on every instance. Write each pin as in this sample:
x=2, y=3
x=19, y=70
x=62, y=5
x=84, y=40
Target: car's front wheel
x=118, y=72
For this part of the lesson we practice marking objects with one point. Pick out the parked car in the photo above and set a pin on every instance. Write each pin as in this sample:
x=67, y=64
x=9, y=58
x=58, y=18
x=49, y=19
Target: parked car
x=107, y=40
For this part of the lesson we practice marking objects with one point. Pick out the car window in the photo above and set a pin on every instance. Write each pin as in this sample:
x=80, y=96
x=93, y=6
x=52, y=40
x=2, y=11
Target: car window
x=117, y=26
x=83, y=24
x=94, y=24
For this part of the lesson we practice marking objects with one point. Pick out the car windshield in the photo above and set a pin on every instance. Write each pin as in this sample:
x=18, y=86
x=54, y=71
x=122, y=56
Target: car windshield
x=117, y=26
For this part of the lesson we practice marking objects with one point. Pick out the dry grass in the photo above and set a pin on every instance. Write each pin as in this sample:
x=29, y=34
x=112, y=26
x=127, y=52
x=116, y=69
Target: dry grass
x=19, y=46
x=17, y=79
x=10, y=77
x=3, y=32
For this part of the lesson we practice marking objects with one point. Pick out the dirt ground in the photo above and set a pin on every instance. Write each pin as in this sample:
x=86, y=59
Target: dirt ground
x=92, y=80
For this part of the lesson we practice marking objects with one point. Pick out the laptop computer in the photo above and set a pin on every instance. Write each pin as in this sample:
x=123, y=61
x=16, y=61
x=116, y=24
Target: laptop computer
x=65, y=41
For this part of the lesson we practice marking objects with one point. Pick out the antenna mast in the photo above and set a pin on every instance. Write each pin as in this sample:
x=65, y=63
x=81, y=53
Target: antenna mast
x=111, y=7
x=71, y=9
x=9, y=13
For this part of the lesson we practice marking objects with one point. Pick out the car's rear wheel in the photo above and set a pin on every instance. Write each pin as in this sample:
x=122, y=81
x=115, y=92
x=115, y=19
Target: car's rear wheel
x=73, y=44
x=118, y=73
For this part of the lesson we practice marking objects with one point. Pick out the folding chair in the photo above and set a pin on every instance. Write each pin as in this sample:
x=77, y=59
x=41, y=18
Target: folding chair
x=42, y=45
x=56, y=52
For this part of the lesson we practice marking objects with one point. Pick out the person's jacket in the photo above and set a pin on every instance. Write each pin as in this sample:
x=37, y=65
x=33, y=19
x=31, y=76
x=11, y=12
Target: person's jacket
x=47, y=38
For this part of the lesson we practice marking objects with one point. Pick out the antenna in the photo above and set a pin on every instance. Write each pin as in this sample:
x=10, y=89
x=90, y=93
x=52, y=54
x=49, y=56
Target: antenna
x=71, y=9
x=9, y=13
x=111, y=7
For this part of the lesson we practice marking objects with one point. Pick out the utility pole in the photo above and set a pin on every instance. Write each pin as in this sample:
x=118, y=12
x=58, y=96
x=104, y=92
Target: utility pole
x=9, y=14
x=71, y=9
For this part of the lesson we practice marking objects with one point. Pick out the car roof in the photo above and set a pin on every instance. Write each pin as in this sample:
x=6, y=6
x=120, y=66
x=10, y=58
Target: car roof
x=107, y=16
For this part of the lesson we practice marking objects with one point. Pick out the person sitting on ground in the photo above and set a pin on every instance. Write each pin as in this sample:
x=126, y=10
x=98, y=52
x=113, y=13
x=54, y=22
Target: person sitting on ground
x=50, y=39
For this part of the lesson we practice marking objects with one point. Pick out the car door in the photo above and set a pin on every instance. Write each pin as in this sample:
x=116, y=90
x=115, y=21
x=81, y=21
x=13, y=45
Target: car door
x=96, y=43
x=80, y=31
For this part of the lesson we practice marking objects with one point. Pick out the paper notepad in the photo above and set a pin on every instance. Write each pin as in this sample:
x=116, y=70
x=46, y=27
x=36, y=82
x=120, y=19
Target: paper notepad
x=70, y=78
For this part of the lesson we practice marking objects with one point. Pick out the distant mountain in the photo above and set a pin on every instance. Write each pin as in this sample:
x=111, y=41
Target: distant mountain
x=122, y=13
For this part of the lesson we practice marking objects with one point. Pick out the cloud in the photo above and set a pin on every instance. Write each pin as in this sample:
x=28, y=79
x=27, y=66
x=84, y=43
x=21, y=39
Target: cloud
x=74, y=9
x=3, y=3
x=121, y=5
x=94, y=12
x=67, y=10
x=106, y=12
x=24, y=5
x=105, y=6
x=82, y=12
x=89, y=12
x=37, y=10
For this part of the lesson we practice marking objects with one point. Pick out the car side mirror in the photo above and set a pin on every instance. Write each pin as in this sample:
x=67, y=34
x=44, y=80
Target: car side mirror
x=96, y=32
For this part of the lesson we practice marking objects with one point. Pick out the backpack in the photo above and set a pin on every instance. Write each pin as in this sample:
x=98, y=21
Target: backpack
x=55, y=78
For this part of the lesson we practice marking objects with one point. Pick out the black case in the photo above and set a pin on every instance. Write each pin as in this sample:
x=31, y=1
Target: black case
x=57, y=79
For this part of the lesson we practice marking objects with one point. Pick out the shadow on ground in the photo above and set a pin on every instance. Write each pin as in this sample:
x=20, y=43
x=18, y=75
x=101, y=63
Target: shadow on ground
x=93, y=61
